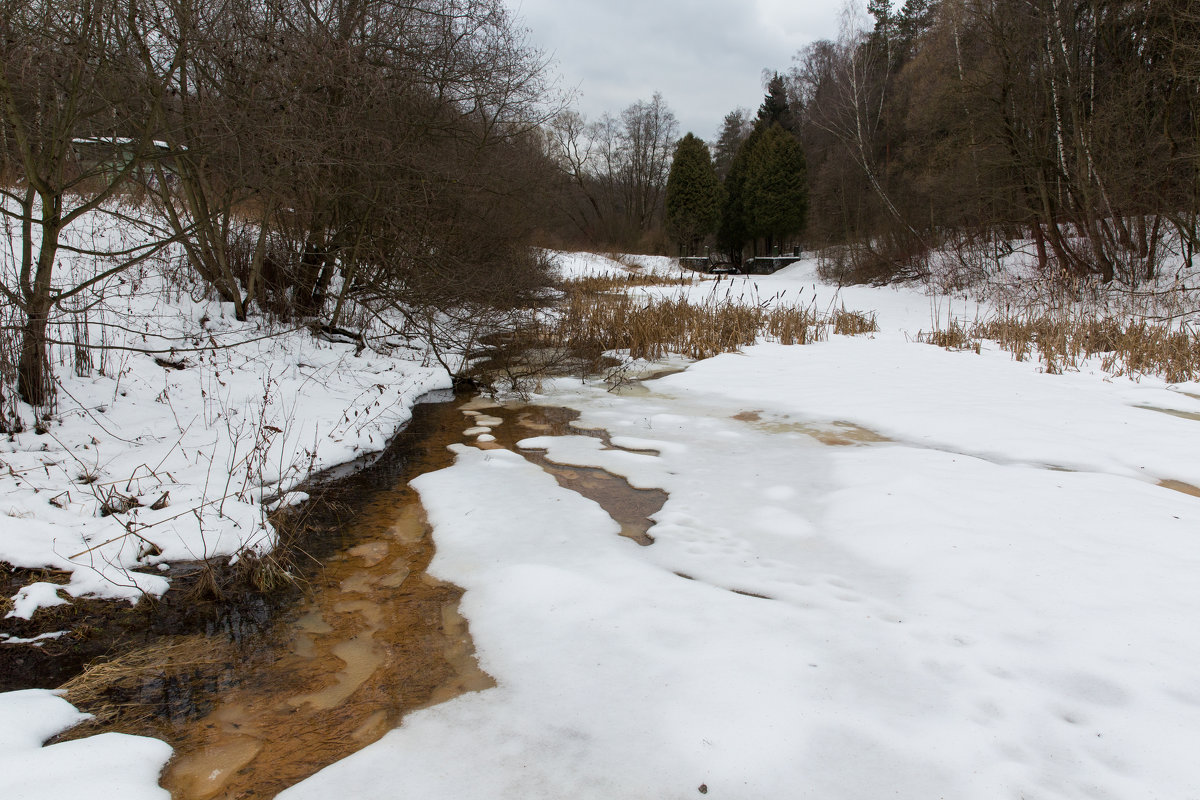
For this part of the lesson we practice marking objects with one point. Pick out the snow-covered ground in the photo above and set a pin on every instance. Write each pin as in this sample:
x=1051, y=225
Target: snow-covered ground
x=184, y=425
x=111, y=765
x=995, y=604
x=984, y=593
x=205, y=443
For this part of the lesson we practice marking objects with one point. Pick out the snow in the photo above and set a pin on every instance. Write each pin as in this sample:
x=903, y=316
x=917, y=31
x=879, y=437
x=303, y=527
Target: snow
x=572, y=265
x=989, y=597
x=254, y=410
x=108, y=765
x=883, y=569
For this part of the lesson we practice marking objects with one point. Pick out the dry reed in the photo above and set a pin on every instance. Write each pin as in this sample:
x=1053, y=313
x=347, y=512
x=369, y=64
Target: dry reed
x=113, y=690
x=853, y=323
x=650, y=327
x=625, y=280
x=1065, y=340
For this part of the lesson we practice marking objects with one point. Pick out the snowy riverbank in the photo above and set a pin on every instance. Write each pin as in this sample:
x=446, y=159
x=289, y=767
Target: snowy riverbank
x=993, y=602
x=883, y=569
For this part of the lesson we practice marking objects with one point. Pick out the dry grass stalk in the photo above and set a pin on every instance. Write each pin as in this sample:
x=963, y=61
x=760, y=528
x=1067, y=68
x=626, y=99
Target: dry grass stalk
x=1065, y=340
x=853, y=323
x=111, y=689
x=649, y=327
x=955, y=336
x=622, y=281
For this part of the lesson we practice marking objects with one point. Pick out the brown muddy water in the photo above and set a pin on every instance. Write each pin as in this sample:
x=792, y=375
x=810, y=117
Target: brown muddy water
x=375, y=637
x=1175, y=412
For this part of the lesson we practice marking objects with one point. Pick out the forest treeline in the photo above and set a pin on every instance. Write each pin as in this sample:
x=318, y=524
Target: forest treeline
x=302, y=155
x=1072, y=124
x=306, y=157
x=959, y=125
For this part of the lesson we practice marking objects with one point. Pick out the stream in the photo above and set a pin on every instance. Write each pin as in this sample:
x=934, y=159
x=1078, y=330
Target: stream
x=375, y=637
x=268, y=704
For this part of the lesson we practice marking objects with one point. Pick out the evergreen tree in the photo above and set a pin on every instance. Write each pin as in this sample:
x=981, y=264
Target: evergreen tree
x=884, y=35
x=775, y=108
x=733, y=231
x=775, y=195
x=693, y=194
x=737, y=224
x=885, y=20
x=734, y=131
x=916, y=18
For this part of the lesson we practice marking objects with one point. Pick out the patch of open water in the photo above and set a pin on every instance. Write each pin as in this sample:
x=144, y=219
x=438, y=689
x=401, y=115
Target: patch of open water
x=375, y=637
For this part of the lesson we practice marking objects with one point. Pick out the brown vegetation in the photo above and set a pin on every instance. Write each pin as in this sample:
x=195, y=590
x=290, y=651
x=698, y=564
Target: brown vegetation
x=1065, y=340
x=649, y=326
x=303, y=159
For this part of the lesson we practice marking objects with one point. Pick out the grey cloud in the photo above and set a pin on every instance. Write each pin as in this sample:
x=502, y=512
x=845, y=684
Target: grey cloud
x=705, y=57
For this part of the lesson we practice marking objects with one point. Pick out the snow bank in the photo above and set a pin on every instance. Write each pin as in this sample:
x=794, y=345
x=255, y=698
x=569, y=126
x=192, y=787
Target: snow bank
x=168, y=446
x=572, y=265
x=108, y=765
x=985, y=405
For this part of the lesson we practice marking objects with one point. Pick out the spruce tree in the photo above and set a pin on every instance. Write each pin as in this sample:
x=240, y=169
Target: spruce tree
x=693, y=194
x=775, y=108
x=775, y=195
x=733, y=231
x=738, y=221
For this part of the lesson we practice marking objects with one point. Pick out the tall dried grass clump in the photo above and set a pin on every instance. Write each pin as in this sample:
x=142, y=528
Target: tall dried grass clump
x=853, y=323
x=1065, y=340
x=955, y=336
x=794, y=325
x=650, y=327
x=617, y=282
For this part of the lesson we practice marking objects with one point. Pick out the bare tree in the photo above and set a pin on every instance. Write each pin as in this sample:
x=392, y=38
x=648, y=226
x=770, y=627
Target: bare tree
x=617, y=170
x=75, y=132
x=648, y=135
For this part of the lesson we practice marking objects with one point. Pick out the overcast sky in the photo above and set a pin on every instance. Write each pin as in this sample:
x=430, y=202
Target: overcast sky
x=706, y=57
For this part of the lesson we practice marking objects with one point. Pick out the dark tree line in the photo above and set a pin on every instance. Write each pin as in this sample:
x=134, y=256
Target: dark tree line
x=1070, y=124
x=753, y=195
x=303, y=154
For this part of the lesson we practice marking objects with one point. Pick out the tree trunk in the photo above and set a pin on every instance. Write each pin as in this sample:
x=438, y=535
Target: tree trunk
x=33, y=364
x=312, y=264
x=1039, y=240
